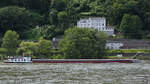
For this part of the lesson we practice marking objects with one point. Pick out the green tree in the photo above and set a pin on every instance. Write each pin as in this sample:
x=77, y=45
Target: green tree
x=34, y=34
x=63, y=20
x=3, y=52
x=10, y=42
x=45, y=47
x=45, y=31
x=62, y=16
x=147, y=21
x=28, y=48
x=17, y=19
x=48, y=31
x=53, y=17
x=131, y=26
x=83, y=43
x=41, y=49
x=118, y=11
x=59, y=5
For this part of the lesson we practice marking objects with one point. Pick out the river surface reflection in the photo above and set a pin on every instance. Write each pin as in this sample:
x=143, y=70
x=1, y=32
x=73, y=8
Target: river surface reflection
x=98, y=73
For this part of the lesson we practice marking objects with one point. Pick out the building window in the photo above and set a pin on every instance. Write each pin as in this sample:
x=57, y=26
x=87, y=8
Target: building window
x=96, y=24
x=99, y=24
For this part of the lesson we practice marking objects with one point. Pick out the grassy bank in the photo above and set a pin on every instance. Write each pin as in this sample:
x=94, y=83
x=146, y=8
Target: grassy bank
x=129, y=51
x=139, y=57
x=116, y=57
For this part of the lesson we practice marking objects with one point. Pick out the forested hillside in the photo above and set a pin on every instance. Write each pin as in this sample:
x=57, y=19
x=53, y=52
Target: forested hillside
x=48, y=18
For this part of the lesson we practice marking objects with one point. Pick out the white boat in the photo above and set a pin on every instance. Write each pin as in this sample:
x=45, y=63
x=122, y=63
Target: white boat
x=24, y=59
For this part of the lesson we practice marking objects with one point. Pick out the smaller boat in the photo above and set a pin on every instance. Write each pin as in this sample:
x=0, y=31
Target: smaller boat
x=19, y=59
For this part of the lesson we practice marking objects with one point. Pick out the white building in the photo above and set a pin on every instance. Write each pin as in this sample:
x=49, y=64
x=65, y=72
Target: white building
x=98, y=23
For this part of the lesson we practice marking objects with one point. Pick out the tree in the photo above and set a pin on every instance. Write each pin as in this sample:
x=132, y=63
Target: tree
x=131, y=26
x=118, y=11
x=53, y=17
x=45, y=47
x=41, y=49
x=34, y=34
x=147, y=21
x=3, y=52
x=62, y=16
x=28, y=48
x=10, y=42
x=83, y=43
x=63, y=21
x=59, y=5
x=48, y=31
x=17, y=19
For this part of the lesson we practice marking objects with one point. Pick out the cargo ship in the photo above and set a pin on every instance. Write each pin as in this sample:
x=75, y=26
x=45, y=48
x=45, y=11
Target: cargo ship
x=27, y=59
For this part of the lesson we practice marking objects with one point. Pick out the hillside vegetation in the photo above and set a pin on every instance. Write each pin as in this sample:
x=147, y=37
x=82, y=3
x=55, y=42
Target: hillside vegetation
x=49, y=18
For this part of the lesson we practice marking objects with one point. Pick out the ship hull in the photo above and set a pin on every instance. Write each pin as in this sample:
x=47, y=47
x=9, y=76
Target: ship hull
x=86, y=61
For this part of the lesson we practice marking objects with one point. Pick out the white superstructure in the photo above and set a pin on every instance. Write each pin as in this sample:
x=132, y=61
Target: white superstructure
x=25, y=59
x=98, y=23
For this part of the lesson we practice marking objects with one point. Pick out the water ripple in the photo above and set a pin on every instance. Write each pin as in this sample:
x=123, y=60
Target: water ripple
x=78, y=73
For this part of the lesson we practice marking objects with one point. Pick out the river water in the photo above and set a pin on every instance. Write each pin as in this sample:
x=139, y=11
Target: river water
x=92, y=73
